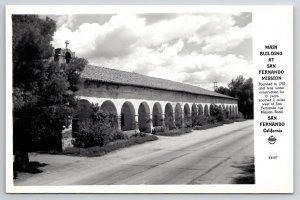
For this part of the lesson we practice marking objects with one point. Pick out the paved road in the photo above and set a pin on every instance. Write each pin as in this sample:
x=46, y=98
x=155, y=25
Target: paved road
x=202, y=157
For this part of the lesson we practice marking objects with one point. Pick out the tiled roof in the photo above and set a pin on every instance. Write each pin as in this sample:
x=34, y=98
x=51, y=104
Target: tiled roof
x=108, y=75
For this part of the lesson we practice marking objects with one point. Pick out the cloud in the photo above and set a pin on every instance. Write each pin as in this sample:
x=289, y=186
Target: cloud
x=196, y=69
x=152, y=18
x=197, y=49
x=122, y=33
x=232, y=38
x=242, y=19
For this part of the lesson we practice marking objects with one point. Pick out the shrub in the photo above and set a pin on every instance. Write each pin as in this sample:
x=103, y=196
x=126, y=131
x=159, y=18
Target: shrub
x=228, y=121
x=175, y=132
x=226, y=113
x=194, y=119
x=211, y=120
x=158, y=129
x=240, y=120
x=140, y=140
x=207, y=126
x=97, y=129
x=91, y=134
x=178, y=118
x=202, y=120
x=169, y=120
x=170, y=125
x=187, y=122
x=117, y=135
x=217, y=113
x=240, y=116
x=140, y=134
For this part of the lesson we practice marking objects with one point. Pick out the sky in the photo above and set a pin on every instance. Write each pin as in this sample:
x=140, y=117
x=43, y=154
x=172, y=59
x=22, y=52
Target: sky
x=197, y=49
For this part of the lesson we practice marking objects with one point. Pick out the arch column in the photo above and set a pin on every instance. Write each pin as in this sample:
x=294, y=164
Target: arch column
x=119, y=122
x=136, y=120
x=163, y=119
x=150, y=123
x=183, y=117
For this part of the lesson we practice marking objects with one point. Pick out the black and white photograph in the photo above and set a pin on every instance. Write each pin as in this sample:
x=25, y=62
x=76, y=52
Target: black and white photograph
x=158, y=98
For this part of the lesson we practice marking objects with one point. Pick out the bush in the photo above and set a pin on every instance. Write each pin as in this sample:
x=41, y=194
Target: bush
x=240, y=120
x=175, y=132
x=240, y=116
x=228, y=121
x=194, y=119
x=188, y=122
x=178, y=118
x=169, y=122
x=226, y=114
x=207, y=126
x=91, y=134
x=95, y=127
x=158, y=129
x=140, y=134
x=140, y=140
x=117, y=135
x=200, y=120
x=216, y=112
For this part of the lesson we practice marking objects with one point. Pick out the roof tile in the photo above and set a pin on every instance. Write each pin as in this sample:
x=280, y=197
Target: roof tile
x=108, y=75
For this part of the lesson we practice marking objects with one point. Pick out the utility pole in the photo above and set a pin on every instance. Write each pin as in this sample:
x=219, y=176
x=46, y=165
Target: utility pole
x=215, y=85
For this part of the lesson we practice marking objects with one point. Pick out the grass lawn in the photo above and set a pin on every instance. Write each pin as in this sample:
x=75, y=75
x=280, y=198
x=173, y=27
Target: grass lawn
x=112, y=146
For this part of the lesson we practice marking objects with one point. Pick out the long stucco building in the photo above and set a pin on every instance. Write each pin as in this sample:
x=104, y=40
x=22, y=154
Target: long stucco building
x=142, y=102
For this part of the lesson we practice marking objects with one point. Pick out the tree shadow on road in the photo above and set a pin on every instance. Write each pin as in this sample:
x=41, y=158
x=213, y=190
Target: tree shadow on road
x=247, y=174
x=32, y=168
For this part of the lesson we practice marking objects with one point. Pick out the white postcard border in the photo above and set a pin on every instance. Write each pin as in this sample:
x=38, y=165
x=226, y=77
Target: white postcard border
x=270, y=177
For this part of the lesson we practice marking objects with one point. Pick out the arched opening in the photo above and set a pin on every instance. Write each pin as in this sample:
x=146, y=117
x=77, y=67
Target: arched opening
x=144, y=118
x=178, y=115
x=57, y=54
x=230, y=111
x=194, y=115
x=187, y=115
x=227, y=112
x=236, y=110
x=68, y=57
x=221, y=110
x=206, y=113
x=83, y=111
x=200, y=110
x=157, y=115
x=233, y=111
x=127, y=117
x=211, y=110
x=169, y=119
x=109, y=110
x=223, y=107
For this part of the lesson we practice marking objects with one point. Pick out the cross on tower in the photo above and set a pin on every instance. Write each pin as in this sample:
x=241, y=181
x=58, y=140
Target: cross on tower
x=67, y=43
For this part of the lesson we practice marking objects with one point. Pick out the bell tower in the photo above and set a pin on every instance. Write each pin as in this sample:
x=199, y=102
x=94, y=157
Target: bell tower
x=63, y=55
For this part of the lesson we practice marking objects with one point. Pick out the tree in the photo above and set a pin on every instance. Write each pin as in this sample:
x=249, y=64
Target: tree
x=223, y=90
x=43, y=90
x=243, y=90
